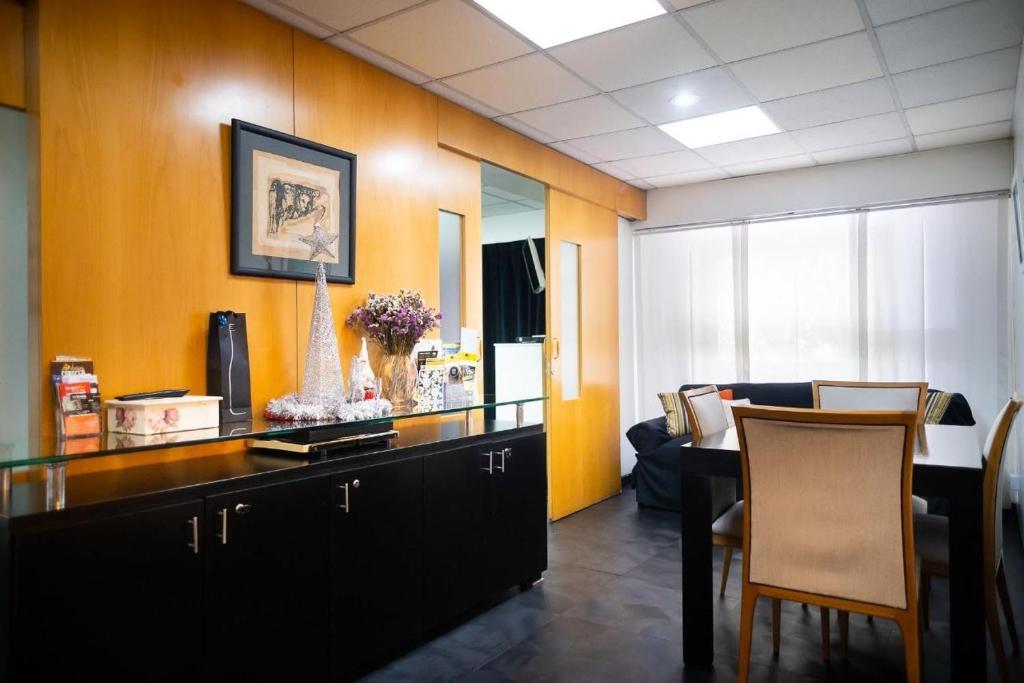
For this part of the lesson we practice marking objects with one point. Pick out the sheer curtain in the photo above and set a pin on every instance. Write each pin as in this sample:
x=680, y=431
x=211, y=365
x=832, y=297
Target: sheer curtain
x=896, y=294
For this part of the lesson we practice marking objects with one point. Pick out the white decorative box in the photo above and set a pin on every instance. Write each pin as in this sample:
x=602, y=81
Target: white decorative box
x=162, y=415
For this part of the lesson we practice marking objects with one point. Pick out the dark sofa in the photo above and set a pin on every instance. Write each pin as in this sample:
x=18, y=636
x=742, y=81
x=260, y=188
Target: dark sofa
x=656, y=473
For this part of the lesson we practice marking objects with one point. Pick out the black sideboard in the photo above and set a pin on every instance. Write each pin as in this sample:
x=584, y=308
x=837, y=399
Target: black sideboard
x=249, y=567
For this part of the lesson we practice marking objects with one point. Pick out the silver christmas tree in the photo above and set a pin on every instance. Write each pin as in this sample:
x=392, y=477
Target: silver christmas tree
x=321, y=380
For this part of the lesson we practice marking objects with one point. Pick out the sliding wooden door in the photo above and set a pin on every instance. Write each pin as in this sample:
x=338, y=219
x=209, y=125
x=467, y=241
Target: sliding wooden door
x=583, y=353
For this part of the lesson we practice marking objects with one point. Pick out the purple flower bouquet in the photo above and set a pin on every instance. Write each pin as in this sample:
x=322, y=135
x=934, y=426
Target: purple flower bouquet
x=395, y=321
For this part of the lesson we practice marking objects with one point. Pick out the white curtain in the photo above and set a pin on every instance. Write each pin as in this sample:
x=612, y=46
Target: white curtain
x=897, y=294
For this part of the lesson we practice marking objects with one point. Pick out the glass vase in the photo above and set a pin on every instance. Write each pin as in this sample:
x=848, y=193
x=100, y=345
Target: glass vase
x=397, y=379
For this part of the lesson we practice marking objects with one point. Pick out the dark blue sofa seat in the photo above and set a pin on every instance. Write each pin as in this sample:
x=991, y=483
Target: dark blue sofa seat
x=656, y=473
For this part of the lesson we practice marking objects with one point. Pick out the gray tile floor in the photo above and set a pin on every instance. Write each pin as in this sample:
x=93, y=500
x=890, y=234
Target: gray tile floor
x=609, y=609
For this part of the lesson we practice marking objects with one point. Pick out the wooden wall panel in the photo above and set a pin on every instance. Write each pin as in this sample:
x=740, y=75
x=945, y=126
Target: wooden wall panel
x=462, y=130
x=136, y=101
x=12, y=54
x=391, y=126
x=583, y=436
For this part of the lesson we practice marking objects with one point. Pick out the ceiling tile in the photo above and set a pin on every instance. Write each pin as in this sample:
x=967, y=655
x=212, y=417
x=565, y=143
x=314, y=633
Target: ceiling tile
x=753, y=149
x=528, y=131
x=964, y=136
x=960, y=31
x=613, y=170
x=299, y=21
x=628, y=143
x=715, y=88
x=377, y=59
x=969, y=111
x=849, y=133
x=887, y=11
x=345, y=15
x=639, y=53
x=737, y=29
x=872, y=149
x=771, y=165
x=580, y=118
x=683, y=4
x=570, y=150
x=673, y=179
x=832, y=105
x=641, y=184
x=951, y=80
x=812, y=67
x=459, y=98
x=524, y=83
x=442, y=38
x=663, y=164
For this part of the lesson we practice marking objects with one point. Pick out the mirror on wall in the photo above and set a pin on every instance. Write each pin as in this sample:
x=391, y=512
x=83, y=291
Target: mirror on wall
x=513, y=233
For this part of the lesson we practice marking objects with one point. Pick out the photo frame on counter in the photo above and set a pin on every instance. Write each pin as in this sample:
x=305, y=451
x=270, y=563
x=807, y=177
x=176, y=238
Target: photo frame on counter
x=293, y=205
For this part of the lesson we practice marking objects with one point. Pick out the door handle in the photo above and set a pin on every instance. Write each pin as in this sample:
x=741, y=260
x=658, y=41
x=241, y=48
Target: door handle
x=556, y=348
x=194, y=543
x=243, y=508
x=503, y=452
x=490, y=463
x=223, y=535
x=344, y=489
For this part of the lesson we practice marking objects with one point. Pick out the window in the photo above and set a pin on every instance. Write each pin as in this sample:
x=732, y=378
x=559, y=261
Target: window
x=893, y=294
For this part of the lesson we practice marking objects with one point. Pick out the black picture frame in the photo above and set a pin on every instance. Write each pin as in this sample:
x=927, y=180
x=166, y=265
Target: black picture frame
x=249, y=137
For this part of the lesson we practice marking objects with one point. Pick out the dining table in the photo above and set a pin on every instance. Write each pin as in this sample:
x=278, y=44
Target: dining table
x=948, y=464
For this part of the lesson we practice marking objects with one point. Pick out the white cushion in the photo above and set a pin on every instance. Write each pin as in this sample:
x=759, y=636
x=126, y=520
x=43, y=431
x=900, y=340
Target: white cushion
x=931, y=538
x=731, y=522
x=710, y=414
x=868, y=398
x=727, y=406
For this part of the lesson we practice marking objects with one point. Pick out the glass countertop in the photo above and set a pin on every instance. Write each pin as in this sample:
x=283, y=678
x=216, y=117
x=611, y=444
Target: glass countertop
x=53, y=451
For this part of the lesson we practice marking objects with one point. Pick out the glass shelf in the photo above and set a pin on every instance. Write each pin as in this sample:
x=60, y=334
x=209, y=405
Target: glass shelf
x=54, y=451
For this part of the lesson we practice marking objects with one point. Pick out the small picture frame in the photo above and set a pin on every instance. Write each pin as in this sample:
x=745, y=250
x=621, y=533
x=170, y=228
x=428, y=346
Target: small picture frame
x=293, y=205
x=1018, y=217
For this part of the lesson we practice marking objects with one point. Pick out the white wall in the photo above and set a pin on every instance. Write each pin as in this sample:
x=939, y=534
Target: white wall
x=628, y=413
x=1017, y=298
x=14, y=359
x=920, y=175
x=514, y=226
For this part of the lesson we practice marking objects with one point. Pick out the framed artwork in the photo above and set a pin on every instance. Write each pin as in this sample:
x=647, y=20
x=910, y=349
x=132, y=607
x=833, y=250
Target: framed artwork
x=293, y=205
x=1018, y=217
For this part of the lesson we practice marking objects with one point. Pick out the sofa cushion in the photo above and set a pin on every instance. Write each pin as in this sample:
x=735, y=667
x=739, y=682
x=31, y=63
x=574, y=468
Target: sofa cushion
x=783, y=394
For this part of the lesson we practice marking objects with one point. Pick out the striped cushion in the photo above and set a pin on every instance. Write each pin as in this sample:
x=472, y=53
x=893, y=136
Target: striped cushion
x=935, y=406
x=675, y=414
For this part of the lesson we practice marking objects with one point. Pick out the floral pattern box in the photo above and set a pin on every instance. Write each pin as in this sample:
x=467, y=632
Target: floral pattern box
x=162, y=415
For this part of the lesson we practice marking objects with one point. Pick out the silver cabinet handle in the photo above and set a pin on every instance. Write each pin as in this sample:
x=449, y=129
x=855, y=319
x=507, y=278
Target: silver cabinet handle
x=503, y=452
x=194, y=523
x=344, y=505
x=243, y=508
x=223, y=535
x=355, y=484
x=490, y=463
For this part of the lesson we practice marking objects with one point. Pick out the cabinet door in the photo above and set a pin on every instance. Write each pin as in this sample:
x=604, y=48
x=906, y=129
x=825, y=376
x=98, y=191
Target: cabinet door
x=517, y=521
x=266, y=582
x=454, y=485
x=376, y=563
x=118, y=598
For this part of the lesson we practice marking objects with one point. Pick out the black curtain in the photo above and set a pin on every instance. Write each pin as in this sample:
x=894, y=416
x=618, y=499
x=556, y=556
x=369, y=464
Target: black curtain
x=511, y=309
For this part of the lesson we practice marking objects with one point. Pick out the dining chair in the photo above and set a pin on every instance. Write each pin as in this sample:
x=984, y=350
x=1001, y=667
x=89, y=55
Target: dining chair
x=932, y=538
x=828, y=518
x=706, y=415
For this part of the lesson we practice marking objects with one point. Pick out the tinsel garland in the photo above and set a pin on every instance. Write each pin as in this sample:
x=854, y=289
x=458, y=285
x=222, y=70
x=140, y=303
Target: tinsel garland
x=290, y=408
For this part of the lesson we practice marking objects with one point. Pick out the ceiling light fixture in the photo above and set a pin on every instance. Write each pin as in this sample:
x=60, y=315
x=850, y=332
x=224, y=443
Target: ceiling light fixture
x=685, y=99
x=553, y=22
x=726, y=126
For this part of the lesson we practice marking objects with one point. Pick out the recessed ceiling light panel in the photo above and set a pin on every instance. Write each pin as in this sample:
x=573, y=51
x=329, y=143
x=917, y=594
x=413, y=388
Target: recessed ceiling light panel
x=553, y=22
x=726, y=126
x=685, y=99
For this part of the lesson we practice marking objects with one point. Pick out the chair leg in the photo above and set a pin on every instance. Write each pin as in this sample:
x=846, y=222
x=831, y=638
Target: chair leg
x=776, y=619
x=1004, y=597
x=911, y=648
x=844, y=632
x=995, y=632
x=726, y=561
x=747, y=604
x=826, y=636
x=923, y=599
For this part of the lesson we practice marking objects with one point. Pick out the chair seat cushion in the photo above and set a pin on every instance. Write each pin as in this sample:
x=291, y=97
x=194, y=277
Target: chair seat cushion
x=731, y=522
x=919, y=505
x=931, y=538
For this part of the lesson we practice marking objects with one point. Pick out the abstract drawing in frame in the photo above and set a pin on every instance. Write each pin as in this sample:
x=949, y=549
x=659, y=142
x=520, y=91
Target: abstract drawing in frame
x=292, y=206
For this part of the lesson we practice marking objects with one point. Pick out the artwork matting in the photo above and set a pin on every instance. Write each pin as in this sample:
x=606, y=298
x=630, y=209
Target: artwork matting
x=292, y=206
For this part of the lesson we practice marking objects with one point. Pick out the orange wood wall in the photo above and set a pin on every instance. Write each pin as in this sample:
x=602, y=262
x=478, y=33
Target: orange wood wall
x=12, y=54
x=135, y=101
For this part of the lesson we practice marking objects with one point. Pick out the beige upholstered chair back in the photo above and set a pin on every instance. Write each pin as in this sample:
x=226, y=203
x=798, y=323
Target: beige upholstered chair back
x=834, y=395
x=828, y=502
x=705, y=411
x=995, y=481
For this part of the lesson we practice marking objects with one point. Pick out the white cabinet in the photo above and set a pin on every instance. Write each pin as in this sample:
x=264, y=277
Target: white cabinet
x=519, y=373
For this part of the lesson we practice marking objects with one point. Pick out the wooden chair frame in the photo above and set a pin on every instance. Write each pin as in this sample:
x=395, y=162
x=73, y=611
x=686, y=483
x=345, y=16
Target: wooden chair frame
x=906, y=618
x=922, y=399
x=691, y=417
